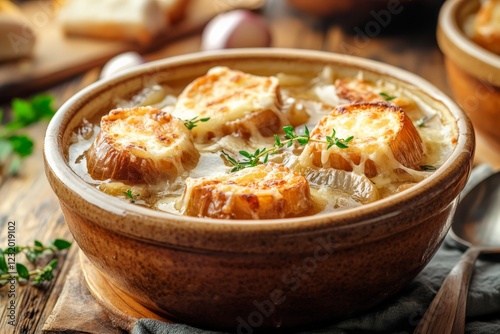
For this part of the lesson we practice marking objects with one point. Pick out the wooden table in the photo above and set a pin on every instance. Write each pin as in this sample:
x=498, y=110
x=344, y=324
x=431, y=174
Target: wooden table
x=408, y=41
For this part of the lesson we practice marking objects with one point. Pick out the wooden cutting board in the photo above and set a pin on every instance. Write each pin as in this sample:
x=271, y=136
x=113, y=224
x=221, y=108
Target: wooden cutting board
x=58, y=57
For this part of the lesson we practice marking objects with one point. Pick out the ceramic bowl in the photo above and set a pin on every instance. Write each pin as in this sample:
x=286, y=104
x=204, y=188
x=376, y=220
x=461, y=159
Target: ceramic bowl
x=247, y=274
x=473, y=72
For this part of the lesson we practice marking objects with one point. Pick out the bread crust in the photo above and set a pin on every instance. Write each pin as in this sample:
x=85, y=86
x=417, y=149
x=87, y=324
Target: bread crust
x=486, y=28
x=374, y=126
x=263, y=192
x=141, y=145
x=236, y=102
x=137, y=21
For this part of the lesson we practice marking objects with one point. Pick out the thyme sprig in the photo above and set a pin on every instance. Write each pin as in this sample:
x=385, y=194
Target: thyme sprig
x=11, y=269
x=386, y=96
x=130, y=195
x=421, y=122
x=261, y=156
x=193, y=122
x=40, y=274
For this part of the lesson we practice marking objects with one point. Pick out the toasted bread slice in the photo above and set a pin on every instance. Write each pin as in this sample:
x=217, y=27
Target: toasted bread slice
x=236, y=102
x=17, y=37
x=141, y=145
x=359, y=90
x=262, y=192
x=486, y=28
x=384, y=138
x=132, y=20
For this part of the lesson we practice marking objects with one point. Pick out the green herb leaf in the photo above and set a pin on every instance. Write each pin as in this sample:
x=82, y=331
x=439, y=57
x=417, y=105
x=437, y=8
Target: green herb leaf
x=386, y=96
x=16, y=249
x=3, y=264
x=252, y=160
x=27, y=112
x=130, y=195
x=422, y=121
x=14, y=146
x=192, y=123
x=246, y=154
x=42, y=105
x=428, y=167
x=53, y=263
x=61, y=244
x=38, y=244
x=21, y=144
x=22, y=271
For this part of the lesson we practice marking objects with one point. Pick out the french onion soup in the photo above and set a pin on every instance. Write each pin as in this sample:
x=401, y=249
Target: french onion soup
x=237, y=145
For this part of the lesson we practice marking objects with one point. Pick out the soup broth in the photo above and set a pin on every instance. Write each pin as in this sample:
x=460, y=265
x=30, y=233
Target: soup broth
x=335, y=181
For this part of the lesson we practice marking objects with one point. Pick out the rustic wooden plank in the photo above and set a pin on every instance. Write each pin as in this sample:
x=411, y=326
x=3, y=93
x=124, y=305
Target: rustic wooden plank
x=58, y=57
x=28, y=200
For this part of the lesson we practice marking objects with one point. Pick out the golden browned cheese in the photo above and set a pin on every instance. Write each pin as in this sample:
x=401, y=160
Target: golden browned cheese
x=236, y=103
x=262, y=192
x=141, y=145
x=383, y=136
x=486, y=28
x=358, y=90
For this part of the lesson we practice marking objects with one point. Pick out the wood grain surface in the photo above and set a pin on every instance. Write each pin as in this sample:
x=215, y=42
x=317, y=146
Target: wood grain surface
x=28, y=199
x=58, y=57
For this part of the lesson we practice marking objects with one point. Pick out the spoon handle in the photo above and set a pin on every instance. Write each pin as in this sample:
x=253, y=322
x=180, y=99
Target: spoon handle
x=446, y=314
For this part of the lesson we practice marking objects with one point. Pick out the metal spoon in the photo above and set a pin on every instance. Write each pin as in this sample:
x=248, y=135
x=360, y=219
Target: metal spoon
x=476, y=225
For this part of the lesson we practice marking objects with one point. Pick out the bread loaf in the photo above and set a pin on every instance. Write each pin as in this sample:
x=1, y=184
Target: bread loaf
x=133, y=20
x=17, y=38
x=487, y=26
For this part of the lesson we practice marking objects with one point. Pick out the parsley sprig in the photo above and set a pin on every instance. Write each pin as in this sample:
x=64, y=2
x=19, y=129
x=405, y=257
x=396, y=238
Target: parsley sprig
x=14, y=145
x=261, y=156
x=34, y=253
x=193, y=122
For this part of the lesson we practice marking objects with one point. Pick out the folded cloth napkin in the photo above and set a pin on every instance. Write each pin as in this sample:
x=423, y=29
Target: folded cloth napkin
x=401, y=313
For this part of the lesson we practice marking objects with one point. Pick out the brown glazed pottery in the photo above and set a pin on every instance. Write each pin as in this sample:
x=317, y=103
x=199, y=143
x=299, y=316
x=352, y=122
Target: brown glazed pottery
x=250, y=274
x=473, y=72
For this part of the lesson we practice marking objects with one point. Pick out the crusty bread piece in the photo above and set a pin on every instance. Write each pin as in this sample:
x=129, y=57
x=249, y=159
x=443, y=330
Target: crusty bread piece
x=236, y=102
x=17, y=38
x=133, y=20
x=486, y=29
x=359, y=90
x=384, y=139
x=141, y=145
x=263, y=192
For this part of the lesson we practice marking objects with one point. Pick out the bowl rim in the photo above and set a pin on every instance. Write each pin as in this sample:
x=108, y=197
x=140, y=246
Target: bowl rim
x=460, y=48
x=461, y=156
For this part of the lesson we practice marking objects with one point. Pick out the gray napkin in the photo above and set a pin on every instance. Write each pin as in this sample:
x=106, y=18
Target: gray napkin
x=401, y=313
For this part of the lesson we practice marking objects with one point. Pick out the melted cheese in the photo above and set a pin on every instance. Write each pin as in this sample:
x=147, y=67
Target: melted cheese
x=141, y=144
x=233, y=100
x=382, y=136
x=383, y=158
x=262, y=192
